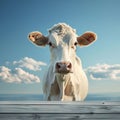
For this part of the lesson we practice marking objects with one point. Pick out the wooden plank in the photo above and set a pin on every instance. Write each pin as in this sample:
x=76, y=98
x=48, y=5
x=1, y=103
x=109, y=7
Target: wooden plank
x=35, y=116
x=59, y=110
x=61, y=107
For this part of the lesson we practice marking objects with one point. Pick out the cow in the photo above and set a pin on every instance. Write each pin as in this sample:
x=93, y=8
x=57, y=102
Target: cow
x=65, y=79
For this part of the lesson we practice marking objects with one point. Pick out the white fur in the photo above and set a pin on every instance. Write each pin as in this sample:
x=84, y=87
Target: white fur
x=63, y=38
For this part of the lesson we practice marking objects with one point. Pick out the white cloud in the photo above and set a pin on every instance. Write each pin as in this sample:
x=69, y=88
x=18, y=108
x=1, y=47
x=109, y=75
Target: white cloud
x=17, y=71
x=29, y=63
x=104, y=72
x=17, y=75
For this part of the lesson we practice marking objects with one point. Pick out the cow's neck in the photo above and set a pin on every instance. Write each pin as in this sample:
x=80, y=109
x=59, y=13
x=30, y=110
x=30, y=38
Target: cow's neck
x=62, y=81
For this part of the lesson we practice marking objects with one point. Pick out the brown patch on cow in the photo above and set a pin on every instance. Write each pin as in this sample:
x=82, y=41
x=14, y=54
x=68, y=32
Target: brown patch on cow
x=38, y=39
x=87, y=38
x=55, y=88
x=69, y=89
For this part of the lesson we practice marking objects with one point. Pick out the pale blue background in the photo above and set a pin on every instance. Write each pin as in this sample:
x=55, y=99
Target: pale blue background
x=19, y=17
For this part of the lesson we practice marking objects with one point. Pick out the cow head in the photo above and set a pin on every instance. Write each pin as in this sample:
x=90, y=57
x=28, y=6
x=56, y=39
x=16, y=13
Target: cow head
x=62, y=40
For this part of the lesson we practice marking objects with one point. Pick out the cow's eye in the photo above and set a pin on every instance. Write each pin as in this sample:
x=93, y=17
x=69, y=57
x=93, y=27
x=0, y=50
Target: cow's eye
x=50, y=44
x=75, y=43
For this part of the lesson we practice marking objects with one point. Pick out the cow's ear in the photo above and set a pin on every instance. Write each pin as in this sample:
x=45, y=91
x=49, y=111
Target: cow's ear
x=87, y=38
x=38, y=39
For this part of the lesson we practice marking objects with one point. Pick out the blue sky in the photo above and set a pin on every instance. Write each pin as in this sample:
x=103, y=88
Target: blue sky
x=101, y=60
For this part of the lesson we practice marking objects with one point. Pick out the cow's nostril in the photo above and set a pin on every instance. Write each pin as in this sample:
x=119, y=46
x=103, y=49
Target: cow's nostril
x=69, y=65
x=58, y=66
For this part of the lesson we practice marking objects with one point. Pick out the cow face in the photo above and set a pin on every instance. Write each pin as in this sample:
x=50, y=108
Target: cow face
x=62, y=41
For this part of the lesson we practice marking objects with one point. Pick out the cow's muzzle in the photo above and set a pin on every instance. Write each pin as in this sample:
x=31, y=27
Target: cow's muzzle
x=63, y=67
